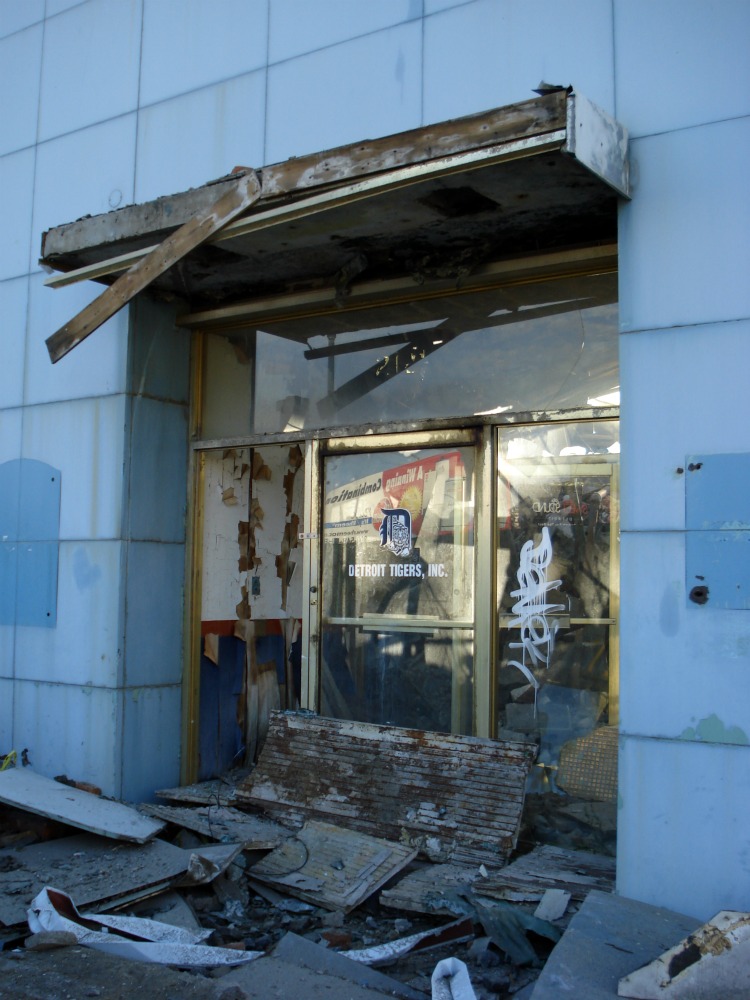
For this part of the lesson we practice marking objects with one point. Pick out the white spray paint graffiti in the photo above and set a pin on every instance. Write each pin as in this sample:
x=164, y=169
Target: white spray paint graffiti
x=531, y=609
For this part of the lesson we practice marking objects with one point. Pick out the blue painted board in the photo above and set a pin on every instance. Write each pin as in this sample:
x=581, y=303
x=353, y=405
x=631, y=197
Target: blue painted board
x=720, y=560
x=717, y=492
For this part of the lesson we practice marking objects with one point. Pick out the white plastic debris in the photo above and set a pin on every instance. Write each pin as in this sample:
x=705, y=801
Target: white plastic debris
x=451, y=981
x=147, y=940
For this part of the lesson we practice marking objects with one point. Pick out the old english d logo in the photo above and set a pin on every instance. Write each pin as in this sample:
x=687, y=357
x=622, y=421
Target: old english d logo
x=395, y=531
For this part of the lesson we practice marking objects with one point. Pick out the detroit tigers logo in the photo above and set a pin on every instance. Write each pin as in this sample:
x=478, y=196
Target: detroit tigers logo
x=395, y=531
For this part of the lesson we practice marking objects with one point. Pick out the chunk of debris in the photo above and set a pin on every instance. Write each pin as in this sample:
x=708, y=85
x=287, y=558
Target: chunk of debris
x=101, y=873
x=547, y=867
x=216, y=792
x=385, y=954
x=606, y=939
x=28, y=790
x=713, y=961
x=431, y=889
x=552, y=905
x=455, y=798
x=332, y=867
x=223, y=823
x=451, y=981
x=130, y=937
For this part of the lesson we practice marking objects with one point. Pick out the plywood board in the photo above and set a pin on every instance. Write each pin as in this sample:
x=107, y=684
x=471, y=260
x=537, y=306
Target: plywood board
x=455, y=798
x=25, y=789
x=99, y=872
x=546, y=867
x=224, y=824
x=332, y=867
x=431, y=889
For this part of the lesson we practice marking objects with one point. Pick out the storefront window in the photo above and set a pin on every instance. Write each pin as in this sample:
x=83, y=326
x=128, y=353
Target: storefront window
x=557, y=615
x=537, y=346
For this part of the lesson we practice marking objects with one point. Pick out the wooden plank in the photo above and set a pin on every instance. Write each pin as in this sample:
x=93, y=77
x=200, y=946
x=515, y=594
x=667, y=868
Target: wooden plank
x=223, y=823
x=99, y=872
x=332, y=867
x=456, y=798
x=547, y=867
x=25, y=789
x=243, y=193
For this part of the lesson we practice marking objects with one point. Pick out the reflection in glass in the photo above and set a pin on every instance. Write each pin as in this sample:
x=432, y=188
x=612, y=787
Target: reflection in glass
x=544, y=345
x=557, y=599
x=397, y=588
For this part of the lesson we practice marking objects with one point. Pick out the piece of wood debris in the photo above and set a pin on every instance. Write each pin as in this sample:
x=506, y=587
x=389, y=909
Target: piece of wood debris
x=547, y=867
x=329, y=866
x=456, y=798
x=100, y=872
x=25, y=789
x=552, y=905
x=223, y=823
x=431, y=889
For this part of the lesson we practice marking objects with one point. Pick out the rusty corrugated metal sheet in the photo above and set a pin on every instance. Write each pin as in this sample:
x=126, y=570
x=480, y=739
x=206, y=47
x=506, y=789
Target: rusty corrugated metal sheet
x=456, y=798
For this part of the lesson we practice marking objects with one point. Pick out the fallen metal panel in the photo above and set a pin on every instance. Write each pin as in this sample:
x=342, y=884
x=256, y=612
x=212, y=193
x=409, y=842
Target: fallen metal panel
x=456, y=798
x=546, y=867
x=242, y=194
x=332, y=867
x=99, y=872
x=224, y=824
x=25, y=789
x=588, y=765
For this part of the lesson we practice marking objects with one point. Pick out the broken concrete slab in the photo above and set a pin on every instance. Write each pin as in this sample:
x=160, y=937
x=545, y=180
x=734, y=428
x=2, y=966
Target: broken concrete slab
x=223, y=823
x=608, y=937
x=99, y=871
x=713, y=961
x=25, y=789
x=300, y=951
x=547, y=867
x=455, y=798
x=273, y=977
x=332, y=867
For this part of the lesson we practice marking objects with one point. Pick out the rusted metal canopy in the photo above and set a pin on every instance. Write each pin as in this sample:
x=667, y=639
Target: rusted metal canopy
x=438, y=201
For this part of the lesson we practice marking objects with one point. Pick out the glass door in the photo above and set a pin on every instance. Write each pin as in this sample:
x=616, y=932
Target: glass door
x=557, y=586
x=397, y=587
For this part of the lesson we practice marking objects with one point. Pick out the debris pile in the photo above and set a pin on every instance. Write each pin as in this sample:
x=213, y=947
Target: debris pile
x=364, y=858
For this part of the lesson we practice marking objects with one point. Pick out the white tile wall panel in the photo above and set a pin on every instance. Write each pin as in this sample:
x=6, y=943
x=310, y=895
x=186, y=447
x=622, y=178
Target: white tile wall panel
x=360, y=89
x=20, y=64
x=486, y=54
x=153, y=638
x=190, y=45
x=85, y=440
x=11, y=422
x=684, y=392
x=683, y=821
x=15, y=16
x=6, y=711
x=59, y=6
x=435, y=6
x=151, y=741
x=680, y=663
x=85, y=647
x=297, y=26
x=681, y=63
x=16, y=198
x=192, y=139
x=86, y=173
x=90, y=68
x=157, y=446
x=68, y=729
x=684, y=248
x=13, y=301
x=97, y=367
x=7, y=661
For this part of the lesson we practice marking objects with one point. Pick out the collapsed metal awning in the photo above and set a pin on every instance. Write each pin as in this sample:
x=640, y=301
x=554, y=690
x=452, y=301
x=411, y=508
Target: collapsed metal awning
x=435, y=202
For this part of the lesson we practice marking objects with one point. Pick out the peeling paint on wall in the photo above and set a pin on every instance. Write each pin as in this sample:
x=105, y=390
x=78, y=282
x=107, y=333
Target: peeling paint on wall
x=713, y=730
